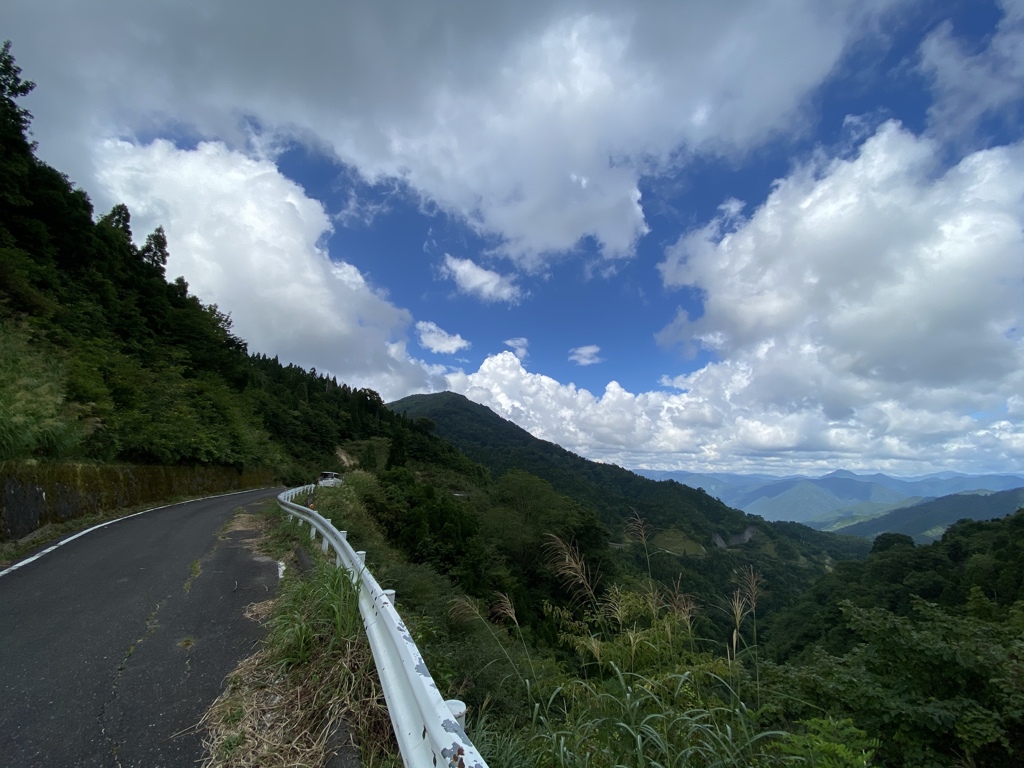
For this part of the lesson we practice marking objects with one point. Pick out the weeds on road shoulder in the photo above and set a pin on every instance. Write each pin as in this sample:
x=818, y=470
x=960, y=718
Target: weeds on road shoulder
x=312, y=682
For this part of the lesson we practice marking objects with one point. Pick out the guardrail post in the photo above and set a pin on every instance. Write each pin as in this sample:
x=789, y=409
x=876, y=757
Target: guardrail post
x=312, y=532
x=361, y=556
x=458, y=710
x=389, y=593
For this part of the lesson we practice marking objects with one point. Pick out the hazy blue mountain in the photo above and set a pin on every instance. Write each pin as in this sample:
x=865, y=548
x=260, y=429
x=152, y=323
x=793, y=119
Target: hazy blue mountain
x=927, y=520
x=940, y=484
x=839, y=519
x=836, y=499
x=800, y=501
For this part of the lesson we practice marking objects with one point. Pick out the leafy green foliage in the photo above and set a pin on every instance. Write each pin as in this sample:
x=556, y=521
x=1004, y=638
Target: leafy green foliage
x=937, y=689
x=976, y=568
x=635, y=685
x=35, y=417
x=921, y=646
x=831, y=743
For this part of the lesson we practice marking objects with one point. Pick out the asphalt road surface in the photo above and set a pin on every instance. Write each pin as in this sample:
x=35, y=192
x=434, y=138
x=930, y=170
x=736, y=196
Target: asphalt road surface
x=113, y=646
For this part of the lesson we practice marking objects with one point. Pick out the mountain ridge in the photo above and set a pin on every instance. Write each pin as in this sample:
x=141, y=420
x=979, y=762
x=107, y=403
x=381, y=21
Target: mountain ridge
x=927, y=520
x=845, y=494
x=615, y=493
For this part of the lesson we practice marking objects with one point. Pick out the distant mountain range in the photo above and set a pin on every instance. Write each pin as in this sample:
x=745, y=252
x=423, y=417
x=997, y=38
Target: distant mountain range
x=863, y=505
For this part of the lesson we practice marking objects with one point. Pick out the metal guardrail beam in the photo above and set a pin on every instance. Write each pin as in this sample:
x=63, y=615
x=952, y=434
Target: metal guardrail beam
x=430, y=731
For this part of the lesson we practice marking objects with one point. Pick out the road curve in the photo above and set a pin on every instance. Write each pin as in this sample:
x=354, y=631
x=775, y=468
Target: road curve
x=113, y=646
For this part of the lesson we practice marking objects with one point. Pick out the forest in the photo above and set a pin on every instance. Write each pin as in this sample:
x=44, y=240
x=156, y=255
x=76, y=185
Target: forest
x=648, y=642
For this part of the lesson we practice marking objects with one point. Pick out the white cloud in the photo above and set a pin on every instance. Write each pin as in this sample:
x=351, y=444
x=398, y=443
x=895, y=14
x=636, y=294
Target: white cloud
x=586, y=355
x=874, y=296
x=868, y=314
x=438, y=341
x=891, y=275
x=520, y=346
x=971, y=86
x=702, y=430
x=357, y=212
x=533, y=122
x=472, y=279
x=248, y=239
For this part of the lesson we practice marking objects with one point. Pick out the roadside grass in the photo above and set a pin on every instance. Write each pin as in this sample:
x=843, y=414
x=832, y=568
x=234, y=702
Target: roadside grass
x=476, y=661
x=311, y=681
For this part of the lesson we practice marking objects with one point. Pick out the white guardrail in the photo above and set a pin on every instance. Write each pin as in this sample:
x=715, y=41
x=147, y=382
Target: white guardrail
x=430, y=730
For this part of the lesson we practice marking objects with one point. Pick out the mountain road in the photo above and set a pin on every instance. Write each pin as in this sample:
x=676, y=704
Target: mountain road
x=113, y=646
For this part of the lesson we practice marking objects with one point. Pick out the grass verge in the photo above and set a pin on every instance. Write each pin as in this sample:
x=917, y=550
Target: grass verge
x=311, y=688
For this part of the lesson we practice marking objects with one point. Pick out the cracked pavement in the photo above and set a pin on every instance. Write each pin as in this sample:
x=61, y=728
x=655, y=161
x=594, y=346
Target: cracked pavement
x=113, y=647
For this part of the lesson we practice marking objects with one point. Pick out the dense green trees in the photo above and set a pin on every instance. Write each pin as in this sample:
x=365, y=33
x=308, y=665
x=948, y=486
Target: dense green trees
x=936, y=688
x=921, y=645
x=976, y=569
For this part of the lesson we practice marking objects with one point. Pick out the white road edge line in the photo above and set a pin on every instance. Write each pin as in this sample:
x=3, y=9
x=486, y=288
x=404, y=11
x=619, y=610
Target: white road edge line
x=62, y=542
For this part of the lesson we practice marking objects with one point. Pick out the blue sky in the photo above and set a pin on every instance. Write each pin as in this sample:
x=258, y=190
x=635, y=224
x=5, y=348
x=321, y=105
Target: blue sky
x=764, y=237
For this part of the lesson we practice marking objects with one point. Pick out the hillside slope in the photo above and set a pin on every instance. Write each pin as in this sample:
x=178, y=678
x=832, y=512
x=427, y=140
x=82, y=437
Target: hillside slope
x=928, y=520
x=692, y=532
x=614, y=492
x=104, y=360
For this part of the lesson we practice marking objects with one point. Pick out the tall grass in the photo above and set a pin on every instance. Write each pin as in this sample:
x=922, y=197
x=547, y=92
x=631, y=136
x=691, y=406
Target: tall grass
x=312, y=680
x=319, y=614
x=648, y=698
x=633, y=720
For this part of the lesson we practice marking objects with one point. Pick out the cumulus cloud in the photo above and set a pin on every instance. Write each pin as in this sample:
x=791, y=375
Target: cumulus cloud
x=586, y=355
x=438, y=341
x=532, y=123
x=520, y=346
x=472, y=279
x=873, y=294
x=868, y=313
x=970, y=86
x=249, y=240
x=875, y=265
x=700, y=429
